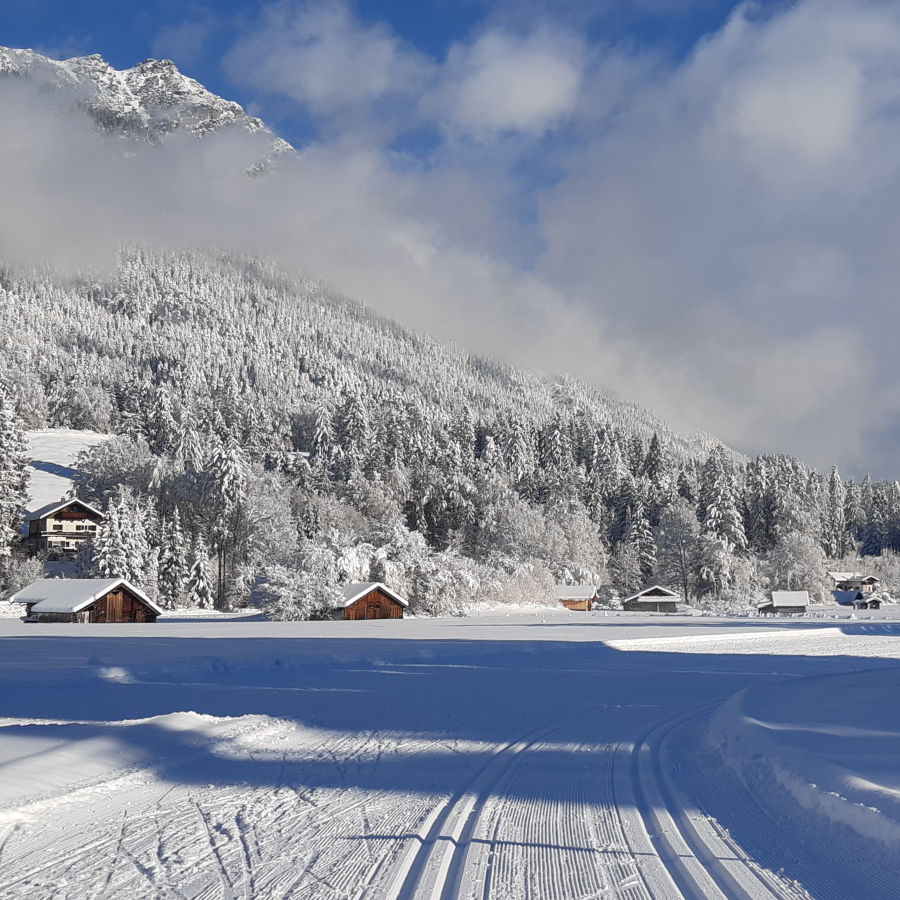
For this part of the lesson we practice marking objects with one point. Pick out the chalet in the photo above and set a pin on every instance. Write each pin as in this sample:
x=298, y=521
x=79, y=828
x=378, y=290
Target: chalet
x=371, y=600
x=85, y=600
x=784, y=603
x=652, y=599
x=62, y=527
x=578, y=597
x=853, y=581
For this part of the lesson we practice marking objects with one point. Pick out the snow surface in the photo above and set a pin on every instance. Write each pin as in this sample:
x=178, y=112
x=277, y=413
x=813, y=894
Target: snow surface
x=549, y=755
x=53, y=453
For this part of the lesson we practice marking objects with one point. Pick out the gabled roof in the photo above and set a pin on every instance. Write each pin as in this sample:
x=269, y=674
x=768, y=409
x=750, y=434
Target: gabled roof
x=72, y=595
x=575, y=592
x=352, y=592
x=845, y=576
x=654, y=592
x=51, y=508
x=788, y=598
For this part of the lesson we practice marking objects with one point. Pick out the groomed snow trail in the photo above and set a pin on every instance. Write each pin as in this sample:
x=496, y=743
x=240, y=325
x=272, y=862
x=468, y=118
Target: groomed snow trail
x=405, y=761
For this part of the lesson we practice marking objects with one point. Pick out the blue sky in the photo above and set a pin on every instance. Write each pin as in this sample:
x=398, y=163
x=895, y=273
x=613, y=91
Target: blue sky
x=690, y=203
x=198, y=35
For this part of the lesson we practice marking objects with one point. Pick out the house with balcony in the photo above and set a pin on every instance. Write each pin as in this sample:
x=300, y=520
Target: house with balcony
x=62, y=527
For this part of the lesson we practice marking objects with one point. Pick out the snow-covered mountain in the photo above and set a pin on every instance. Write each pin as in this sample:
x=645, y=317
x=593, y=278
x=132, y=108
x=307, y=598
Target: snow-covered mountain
x=146, y=102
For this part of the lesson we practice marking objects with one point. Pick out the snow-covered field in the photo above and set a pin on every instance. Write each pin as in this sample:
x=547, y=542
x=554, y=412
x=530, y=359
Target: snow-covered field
x=542, y=755
x=53, y=454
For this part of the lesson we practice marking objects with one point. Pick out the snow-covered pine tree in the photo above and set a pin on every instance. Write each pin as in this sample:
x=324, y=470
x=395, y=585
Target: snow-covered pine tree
x=110, y=554
x=640, y=536
x=199, y=583
x=173, y=564
x=13, y=475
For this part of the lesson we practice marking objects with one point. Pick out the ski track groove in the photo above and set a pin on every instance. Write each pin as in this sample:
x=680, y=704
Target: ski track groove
x=461, y=855
x=701, y=862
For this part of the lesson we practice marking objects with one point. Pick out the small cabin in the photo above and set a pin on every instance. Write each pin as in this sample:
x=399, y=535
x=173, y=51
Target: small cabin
x=579, y=597
x=371, y=600
x=784, y=603
x=100, y=600
x=62, y=527
x=652, y=599
x=866, y=601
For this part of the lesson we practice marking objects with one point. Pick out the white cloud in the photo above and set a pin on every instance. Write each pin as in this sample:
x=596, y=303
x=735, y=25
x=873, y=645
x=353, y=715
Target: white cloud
x=736, y=221
x=319, y=55
x=503, y=82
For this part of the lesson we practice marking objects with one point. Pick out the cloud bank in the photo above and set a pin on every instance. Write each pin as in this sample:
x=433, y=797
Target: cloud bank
x=713, y=236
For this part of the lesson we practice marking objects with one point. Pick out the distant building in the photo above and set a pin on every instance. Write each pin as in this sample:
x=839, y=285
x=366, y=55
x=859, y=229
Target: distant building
x=62, y=527
x=578, y=597
x=371, y=600
x=853, y=581
x=866, y=601
x=785, y=603
x=652, y=599
x=98, y=600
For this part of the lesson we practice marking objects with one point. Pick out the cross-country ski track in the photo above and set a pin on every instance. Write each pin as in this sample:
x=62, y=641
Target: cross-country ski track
x=533, y=758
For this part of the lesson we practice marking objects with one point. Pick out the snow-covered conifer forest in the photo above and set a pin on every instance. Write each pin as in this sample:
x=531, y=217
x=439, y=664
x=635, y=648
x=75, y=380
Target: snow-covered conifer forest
x=271, y=441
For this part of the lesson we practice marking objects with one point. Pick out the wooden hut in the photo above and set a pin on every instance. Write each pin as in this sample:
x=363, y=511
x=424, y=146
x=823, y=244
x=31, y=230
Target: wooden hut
x=371, y=600
x=652, y=599
x=578, y=597
x=85, y=600
x=866, y=601
x=785, y=603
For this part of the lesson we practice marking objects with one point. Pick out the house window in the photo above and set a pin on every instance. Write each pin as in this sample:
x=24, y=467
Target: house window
x=57, y=527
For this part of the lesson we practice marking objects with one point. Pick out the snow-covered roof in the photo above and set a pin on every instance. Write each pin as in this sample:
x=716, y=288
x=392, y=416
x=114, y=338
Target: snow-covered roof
x=352, y=592
x=844, y=576
x=788, y=598
x=650, y=594
x=575, y=592
x=52, y=508
x=71, y=595
x=852, y=576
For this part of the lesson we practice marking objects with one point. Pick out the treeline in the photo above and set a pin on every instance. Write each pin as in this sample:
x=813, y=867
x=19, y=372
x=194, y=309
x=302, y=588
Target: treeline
x=273, y=442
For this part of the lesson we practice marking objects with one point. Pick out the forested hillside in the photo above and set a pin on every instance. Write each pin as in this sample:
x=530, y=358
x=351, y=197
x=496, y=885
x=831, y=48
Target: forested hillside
x=275, y=441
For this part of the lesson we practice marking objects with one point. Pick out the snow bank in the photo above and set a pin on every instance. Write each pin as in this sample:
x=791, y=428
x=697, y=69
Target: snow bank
x=822, y=753
x=53, y=452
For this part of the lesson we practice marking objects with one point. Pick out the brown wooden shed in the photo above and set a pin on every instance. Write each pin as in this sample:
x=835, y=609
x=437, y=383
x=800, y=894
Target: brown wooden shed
x=578, y=597
x=105, y=600
x=652, y=599
x=371, y=600
x=784, y=603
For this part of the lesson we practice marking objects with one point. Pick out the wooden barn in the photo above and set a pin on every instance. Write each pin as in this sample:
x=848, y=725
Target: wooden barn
x=62, y=527
x=371, y=600
x=652, y=599
x=579, y=597
x=785, y=603
x=85, y=600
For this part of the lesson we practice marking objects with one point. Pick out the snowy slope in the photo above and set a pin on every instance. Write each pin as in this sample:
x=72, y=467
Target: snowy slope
x=503, y=757
x=53, y=452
